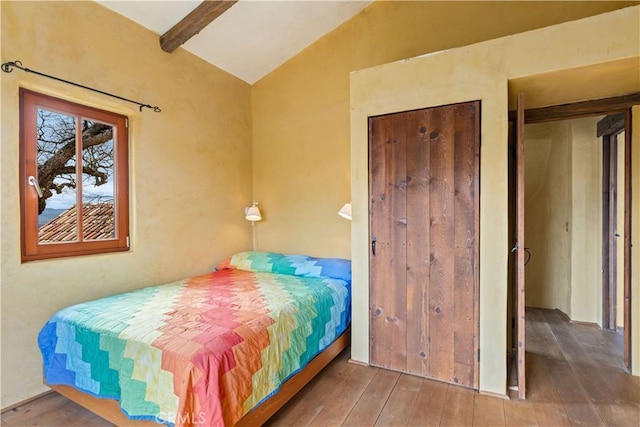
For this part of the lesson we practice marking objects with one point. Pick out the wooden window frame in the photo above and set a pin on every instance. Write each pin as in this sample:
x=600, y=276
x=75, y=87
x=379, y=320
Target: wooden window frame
x=31, y=249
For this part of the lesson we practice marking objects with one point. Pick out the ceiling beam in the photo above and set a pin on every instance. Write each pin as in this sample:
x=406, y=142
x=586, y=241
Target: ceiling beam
x=193, y=23
x=576, y=110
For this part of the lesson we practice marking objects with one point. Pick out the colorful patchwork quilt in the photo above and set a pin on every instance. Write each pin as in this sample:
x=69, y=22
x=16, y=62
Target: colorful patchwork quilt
x=205, y=350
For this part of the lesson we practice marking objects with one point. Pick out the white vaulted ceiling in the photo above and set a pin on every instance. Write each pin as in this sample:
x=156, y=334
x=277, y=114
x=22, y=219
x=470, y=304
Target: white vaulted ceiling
x=253, y=37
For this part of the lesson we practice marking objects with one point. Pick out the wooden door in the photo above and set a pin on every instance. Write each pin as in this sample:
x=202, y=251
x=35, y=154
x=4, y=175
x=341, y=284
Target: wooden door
x=519, y=247
x=627, y=241
x=609, y=230
x=424, y=257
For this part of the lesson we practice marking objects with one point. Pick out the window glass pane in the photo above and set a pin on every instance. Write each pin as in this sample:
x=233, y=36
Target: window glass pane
x=98, y=181
x=56, y=155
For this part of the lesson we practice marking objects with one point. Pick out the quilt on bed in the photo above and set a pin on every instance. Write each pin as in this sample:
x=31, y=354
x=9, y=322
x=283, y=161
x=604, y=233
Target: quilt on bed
x=205, y=350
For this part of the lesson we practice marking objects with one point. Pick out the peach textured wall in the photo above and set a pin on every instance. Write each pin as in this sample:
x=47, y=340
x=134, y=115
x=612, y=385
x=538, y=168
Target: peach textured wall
x=564, y=217
x=548, y=216
x=586, y=221
x=190, y=166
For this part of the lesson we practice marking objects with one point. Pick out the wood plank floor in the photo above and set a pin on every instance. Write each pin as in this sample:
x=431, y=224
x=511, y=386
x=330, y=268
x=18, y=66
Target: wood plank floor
x=574, y=374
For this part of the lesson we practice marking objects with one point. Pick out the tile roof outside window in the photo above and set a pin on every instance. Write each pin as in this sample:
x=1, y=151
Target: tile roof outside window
x=98, y=224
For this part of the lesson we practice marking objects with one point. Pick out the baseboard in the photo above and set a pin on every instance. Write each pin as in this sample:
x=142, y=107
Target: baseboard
x=492, y=394
x=357, y=362
x=563, y=314
x=580, y=322
x=25, y=401
x=569, y=319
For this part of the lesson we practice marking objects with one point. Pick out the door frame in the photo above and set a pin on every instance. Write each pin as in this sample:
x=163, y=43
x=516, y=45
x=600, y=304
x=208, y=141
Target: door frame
x=605, y=106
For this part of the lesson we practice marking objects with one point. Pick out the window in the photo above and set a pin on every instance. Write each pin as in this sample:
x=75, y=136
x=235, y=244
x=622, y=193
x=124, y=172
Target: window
x=74, y=186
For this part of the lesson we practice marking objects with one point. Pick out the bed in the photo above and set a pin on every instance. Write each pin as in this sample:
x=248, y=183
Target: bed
x=225, y=348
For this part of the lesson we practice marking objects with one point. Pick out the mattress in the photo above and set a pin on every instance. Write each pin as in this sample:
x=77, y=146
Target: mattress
x=204, y=350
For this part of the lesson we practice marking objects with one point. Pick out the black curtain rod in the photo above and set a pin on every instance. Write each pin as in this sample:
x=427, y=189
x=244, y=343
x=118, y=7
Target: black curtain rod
x=7, y=67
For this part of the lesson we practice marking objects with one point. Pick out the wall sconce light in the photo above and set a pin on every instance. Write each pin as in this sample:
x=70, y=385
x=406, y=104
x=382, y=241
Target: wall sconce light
x=345, y=211
x=252, y=213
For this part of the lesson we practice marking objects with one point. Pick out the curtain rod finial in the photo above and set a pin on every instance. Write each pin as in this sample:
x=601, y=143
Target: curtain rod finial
x=7, y=67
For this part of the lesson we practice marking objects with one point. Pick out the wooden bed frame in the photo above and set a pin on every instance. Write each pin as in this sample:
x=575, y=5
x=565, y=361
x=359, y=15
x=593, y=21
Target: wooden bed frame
x=110, y=410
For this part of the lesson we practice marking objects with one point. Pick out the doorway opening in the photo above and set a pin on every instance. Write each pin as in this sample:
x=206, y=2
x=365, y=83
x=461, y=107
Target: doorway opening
x=576, y=219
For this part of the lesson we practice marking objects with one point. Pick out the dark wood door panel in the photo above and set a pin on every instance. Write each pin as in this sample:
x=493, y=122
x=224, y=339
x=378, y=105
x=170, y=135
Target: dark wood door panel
x=520, y=247
x=424, y=212
x=418, y=242
x=442, y=227
x=388, y=242
x=467, y=248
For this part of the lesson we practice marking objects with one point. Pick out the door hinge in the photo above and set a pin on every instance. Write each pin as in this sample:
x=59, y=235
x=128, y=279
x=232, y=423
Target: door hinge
x=128, y=242
x=478, y=355
x=126, y=123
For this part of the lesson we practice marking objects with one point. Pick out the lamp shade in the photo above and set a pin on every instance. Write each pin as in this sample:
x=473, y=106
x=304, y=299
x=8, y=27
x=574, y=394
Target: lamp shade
x=252, y=213
x=345, y=211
